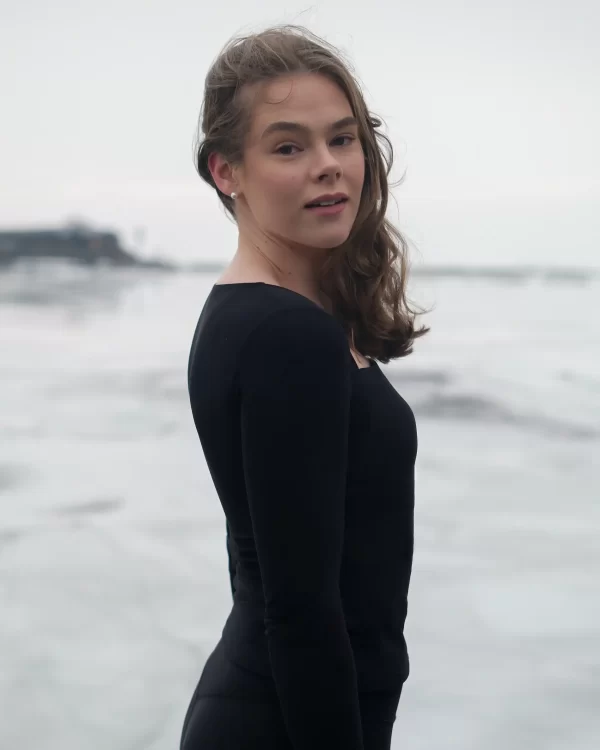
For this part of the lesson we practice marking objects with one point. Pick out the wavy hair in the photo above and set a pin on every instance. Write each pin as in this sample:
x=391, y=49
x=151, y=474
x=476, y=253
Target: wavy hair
x=364, y=278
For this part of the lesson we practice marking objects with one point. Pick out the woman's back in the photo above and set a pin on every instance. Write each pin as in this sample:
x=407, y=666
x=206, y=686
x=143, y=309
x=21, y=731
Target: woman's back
x=313, y=461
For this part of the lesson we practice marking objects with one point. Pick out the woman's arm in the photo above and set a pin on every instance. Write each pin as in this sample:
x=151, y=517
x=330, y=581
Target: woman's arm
x=295, y=386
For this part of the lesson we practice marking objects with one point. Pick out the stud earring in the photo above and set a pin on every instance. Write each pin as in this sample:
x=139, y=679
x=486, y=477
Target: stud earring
x=234, y=196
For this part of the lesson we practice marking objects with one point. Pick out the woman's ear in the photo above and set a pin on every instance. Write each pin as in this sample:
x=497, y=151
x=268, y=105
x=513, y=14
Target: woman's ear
x=222, y=173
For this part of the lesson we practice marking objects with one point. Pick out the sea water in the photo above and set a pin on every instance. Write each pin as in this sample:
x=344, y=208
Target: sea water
x=113, y=569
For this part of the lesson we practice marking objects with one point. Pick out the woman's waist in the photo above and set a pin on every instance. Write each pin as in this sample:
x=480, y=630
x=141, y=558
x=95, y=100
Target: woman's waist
x=380, y=654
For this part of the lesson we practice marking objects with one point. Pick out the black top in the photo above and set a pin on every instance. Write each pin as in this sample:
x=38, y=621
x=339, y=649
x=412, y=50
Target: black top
x=313, y=460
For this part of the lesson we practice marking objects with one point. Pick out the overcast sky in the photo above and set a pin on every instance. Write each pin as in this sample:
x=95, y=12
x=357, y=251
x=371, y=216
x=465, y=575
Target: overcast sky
x=493, y=109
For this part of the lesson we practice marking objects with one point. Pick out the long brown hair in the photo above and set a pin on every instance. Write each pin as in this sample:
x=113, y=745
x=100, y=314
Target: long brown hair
x=365, y=277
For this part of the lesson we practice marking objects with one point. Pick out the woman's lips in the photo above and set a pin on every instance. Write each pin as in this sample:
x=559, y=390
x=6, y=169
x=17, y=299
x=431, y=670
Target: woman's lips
x=336, y=208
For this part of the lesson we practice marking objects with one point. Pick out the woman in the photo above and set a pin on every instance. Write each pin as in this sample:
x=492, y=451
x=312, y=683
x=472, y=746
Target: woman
x=310, y=448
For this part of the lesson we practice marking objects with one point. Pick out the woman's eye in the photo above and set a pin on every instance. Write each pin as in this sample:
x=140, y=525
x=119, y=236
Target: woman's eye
x=287, y=145
x=350, y=138
x=284, y=150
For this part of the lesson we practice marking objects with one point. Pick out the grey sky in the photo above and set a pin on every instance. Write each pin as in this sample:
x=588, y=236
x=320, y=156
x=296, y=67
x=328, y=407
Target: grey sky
x=493, y=108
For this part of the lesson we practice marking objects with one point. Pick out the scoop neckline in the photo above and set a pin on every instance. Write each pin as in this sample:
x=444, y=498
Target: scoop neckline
x=372, y=362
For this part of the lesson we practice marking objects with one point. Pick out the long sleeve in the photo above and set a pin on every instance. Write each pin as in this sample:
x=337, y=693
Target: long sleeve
x=295, y=392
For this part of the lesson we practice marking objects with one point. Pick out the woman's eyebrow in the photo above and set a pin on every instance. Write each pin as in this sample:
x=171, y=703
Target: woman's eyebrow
x=283, y=125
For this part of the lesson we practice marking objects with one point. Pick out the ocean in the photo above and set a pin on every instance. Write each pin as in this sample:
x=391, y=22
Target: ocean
x=113, y=568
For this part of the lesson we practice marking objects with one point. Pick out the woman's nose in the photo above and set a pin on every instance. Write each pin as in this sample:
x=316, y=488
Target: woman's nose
x=328, y=164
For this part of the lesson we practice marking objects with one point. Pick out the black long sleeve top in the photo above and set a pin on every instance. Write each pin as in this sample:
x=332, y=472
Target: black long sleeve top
x=313, y=461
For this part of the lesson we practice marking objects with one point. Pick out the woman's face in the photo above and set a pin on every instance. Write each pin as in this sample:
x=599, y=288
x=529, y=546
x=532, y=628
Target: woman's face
x=303, y=143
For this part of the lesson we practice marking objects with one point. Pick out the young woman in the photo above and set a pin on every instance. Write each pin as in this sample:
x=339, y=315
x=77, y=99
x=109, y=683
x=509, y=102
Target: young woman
x=310, y=448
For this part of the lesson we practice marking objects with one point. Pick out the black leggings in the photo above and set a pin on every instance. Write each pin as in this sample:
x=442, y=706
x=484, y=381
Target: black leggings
x=234, y=708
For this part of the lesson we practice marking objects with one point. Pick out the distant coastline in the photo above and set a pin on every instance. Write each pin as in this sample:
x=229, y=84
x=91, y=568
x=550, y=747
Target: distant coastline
x=509, y=273
x=76, y=243
x=493, y=273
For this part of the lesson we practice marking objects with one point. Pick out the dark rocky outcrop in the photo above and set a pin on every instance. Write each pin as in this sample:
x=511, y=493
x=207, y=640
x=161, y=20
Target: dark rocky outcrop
x=76, y=243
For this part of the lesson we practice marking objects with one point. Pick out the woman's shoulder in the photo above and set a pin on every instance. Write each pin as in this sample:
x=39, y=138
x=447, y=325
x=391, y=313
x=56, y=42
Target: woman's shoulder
x=271, y=308
x=275, y=323
x=289, y=321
